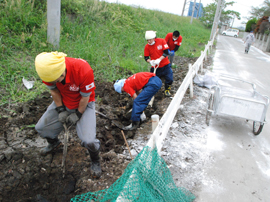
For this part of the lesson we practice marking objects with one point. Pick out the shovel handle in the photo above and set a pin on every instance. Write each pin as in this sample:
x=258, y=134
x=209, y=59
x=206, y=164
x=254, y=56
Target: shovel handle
x=126, y=144
x=65, y=149
x=155, y=68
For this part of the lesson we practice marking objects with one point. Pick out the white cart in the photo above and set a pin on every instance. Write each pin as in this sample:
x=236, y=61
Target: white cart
x=238, y=102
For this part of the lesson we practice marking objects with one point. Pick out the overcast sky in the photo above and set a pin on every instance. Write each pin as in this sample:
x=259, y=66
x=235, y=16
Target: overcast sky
x=176, y=6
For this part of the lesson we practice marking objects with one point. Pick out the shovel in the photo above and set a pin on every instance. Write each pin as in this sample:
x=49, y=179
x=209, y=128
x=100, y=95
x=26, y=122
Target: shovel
x=117, y=123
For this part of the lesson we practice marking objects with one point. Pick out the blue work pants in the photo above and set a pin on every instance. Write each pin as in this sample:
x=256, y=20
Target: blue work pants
x=142, y=100
x=165, y=71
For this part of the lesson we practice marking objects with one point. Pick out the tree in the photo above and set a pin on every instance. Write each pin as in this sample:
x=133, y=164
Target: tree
x=259, y=12
x=251, y=24
x=226, y=15
x=262, y=25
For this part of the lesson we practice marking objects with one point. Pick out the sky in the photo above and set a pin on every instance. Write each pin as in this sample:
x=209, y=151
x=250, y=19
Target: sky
x=176, y=6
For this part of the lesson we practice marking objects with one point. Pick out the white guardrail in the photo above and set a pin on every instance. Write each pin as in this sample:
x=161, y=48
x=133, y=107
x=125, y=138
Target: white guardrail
x=165, y=122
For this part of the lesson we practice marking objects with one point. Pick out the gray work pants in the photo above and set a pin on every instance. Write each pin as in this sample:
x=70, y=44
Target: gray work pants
x=171, y=57
x=48, y=126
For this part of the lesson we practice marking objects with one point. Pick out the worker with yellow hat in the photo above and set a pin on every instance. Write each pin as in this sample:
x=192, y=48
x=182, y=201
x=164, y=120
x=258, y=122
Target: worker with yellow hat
x=71, y=83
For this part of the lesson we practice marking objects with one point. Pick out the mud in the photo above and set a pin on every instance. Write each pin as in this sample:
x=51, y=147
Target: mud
x=27, y=176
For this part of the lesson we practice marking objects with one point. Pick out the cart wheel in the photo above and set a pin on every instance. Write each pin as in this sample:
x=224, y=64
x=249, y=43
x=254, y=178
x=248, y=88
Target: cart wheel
x=210, y=107
x=257, y=127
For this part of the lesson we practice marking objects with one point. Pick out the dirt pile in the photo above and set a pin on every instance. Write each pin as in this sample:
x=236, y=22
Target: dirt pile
x=27, y=176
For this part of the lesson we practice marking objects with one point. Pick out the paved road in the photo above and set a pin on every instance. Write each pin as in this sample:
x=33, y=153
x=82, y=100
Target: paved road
x=240, y=170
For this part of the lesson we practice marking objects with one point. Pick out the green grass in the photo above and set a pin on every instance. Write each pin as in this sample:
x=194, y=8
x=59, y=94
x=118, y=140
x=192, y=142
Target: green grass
x=109, y=36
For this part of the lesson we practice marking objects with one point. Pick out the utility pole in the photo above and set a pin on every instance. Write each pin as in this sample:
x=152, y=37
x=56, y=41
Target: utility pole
x=192, y=12
x=216, y=19
x=53, y=20
x=184, y=7
x=220, y=10
x=198, y=10
x=233, y=20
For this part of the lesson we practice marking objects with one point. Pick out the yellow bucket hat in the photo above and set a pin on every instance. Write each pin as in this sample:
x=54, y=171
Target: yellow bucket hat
x=50, y=66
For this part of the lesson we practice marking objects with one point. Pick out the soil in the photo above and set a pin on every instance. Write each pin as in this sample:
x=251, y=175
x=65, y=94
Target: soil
x=27, y=176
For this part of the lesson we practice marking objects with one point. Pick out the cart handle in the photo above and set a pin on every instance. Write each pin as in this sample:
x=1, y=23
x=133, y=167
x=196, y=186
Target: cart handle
x=233, y=78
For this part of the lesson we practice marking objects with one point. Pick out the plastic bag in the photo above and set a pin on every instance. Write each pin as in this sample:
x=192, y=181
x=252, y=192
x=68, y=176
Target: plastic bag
x=208, y=80
x=28, y=84
x=143, y=117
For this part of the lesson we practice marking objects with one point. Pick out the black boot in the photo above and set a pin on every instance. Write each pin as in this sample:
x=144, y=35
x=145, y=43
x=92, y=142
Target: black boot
x=52, y=143
x=95, y=165
x=167, y=90
x=134, y=125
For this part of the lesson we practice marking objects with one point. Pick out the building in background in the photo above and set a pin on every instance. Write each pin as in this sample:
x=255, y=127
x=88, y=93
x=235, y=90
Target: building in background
x=198, y=11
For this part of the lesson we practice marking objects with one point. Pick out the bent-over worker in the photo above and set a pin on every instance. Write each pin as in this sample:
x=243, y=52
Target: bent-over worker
x=71, y=83
x=149, y=83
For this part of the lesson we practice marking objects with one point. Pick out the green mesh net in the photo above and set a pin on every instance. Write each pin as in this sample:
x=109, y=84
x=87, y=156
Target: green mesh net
x=146, y=178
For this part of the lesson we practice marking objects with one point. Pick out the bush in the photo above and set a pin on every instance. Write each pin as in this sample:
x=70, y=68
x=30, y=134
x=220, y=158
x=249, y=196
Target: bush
x=249, y=25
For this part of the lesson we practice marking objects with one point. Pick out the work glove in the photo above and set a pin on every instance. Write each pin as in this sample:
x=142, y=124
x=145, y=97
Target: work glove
x=143, y=117
x=62, y=113
x=157, y=61
x=171, y=53
x=74, y=117
x=152, y=62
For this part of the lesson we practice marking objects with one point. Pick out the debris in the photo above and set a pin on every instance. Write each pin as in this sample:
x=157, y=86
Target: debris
x=28, y=84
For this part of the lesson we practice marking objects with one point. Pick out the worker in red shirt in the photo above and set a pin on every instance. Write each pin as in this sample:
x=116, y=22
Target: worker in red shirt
x=71, y=83
x=156, y=53
x=174, y=40
x=149, y=83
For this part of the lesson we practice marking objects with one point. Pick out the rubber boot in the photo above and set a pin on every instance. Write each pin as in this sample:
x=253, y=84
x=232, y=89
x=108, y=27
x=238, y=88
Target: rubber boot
x=52, y=144
x=167, y=90
x=134, y=125
x=95, y=165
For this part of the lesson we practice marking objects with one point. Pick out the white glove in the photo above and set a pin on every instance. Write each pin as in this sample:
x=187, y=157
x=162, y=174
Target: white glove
x=152, y=62
x=143, y=117
x=157, y=61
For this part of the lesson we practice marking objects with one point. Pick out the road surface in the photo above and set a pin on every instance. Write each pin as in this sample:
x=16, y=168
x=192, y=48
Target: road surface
x=240, y=167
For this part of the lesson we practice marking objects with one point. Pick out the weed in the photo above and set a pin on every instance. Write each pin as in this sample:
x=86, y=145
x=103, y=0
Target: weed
x=98, y=100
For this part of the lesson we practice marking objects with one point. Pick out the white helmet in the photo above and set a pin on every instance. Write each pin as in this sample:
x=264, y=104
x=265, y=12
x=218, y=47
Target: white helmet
x=150, y=35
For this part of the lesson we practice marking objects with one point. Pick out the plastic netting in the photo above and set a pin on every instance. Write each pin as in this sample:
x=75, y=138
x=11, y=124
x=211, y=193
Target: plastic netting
x=146, y=178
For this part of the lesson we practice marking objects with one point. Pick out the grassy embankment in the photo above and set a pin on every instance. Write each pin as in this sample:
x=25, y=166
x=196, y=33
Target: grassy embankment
x=107, y=35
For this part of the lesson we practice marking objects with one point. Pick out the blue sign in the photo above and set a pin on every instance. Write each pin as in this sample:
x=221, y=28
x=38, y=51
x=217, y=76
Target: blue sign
x=198, y=11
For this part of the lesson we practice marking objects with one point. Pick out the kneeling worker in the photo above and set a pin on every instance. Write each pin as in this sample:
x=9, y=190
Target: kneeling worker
x=149, y=83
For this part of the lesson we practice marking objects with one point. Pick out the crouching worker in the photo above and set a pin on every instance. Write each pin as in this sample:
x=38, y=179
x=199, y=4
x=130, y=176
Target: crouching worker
x=71, y=83
x=149, y=83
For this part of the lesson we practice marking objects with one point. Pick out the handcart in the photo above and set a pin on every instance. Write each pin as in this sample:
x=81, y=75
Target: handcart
x=241, y=102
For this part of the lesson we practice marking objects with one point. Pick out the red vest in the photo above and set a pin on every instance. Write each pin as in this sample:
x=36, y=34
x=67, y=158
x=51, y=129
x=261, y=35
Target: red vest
x=79, y=78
